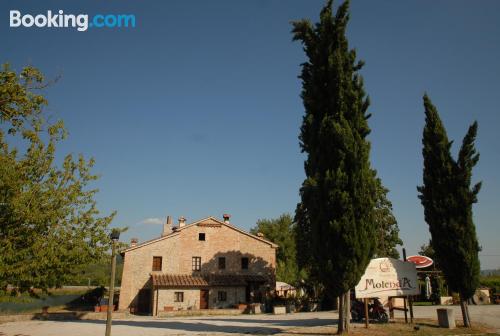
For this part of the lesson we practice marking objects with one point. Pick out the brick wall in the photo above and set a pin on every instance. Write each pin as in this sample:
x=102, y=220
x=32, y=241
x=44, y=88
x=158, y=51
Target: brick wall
x=224, y=241
x=234, y=295
x=178, y=249
x=166, y=297
x=138, y=264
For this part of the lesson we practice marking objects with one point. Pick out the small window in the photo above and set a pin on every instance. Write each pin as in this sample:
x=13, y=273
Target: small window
x=222, y=263
x=179, y=297
x=196, y=263
x=201, y=236
x=222, y=296
x=244, y=263
x=157, y=263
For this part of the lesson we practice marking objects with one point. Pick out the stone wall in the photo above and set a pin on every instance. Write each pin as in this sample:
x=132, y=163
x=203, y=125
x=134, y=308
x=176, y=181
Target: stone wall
x=225, y=241
x=234, y=295
x=166, y=297
x=178, y=249
x=137, y=267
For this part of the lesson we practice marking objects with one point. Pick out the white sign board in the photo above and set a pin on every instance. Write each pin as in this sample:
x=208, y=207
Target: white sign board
x=388, y=277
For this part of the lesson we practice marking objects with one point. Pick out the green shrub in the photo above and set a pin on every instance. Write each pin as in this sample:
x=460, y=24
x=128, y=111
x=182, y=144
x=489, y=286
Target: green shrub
x=492, y=282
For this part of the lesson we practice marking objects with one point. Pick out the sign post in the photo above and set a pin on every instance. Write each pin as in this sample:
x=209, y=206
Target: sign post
x=410, y=298
x=366, y=313
x=386, y=277
x=406, y=310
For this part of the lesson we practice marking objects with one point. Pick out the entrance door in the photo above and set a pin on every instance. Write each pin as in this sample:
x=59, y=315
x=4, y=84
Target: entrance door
x=144, y=301
x=203, y=299
x=253, y=293
x=248, y=291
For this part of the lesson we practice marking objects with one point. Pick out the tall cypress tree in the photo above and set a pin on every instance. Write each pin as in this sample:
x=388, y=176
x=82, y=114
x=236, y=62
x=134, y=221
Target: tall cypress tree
x=447, y=197
x=338, y=194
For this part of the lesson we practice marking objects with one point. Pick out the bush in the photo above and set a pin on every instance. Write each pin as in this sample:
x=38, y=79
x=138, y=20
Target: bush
x=492, y=282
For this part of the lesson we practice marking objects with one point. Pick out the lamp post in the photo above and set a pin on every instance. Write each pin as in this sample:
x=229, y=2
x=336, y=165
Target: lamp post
x=115, y=235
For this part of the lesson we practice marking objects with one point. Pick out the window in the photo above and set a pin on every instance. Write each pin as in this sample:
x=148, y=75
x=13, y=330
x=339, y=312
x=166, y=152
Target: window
x=179, y=297
x=157, y=263
x=196, y=263
x=201, y=236
x=222, y=296
x=244, y=263
x=222, y=262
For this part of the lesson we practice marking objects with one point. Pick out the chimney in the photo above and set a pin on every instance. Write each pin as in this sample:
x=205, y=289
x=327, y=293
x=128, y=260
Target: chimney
x=226, y=218
x=133, y=242
x=167, y=227
x=182, y=221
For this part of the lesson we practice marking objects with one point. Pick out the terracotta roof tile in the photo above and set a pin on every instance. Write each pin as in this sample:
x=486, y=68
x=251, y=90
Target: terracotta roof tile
x=178, y=280
x=186, y=280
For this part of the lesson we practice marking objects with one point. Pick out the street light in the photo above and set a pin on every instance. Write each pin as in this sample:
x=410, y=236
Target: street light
x=115, y=235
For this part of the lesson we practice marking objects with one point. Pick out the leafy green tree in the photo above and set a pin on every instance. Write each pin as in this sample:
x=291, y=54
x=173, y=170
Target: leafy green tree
x=387, y=230
x=50, y=228
x=428, y=251
x=339, y=192
x=447, y=197
x=98, y=273
x=282, y=232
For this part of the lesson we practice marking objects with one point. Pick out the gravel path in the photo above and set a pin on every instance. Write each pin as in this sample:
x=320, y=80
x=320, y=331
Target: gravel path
x=217, y=325
x=149, y=326
x=484, y=314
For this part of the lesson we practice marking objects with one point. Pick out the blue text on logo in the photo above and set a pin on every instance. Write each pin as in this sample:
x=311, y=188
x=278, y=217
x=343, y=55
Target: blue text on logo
x=113, y=20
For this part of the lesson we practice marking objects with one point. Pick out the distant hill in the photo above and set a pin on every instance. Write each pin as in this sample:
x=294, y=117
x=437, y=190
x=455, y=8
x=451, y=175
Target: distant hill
x=490, y=272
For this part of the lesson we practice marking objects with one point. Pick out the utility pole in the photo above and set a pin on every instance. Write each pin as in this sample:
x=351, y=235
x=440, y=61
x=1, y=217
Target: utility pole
x=115, y=235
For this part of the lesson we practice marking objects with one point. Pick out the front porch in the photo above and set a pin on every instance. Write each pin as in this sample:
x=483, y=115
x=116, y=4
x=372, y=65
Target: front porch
x=201, y=312
x=174, y=295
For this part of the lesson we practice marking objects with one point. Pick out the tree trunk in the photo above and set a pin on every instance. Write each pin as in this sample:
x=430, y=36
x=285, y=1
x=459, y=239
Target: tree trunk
x=465, y=313
x=347, y=311
x=468, y=315
x=344, y=313
x=462, y=307
x=340, y=327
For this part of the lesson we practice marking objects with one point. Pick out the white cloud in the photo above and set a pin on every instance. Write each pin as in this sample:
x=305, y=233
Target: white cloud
x=152, y=220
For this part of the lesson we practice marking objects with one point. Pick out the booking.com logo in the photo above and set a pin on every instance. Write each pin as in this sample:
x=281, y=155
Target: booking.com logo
x=80, y=21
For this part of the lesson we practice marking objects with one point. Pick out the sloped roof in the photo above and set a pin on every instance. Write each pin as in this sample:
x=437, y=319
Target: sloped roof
x=204, y=280
x=218, y=221
x=212, y=221
x=178, y=280
x=148, y=242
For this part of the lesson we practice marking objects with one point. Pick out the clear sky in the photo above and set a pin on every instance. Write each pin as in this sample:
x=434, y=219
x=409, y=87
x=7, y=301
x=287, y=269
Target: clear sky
x=196, y=111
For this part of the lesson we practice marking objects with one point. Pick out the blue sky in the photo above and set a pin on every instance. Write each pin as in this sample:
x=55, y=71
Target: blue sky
x=196, y=111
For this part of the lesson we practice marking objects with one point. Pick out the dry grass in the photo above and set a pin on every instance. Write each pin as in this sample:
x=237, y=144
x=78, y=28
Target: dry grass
x=396, y=328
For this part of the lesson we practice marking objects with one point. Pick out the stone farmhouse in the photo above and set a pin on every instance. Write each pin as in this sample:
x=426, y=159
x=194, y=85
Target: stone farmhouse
x=206, y=264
